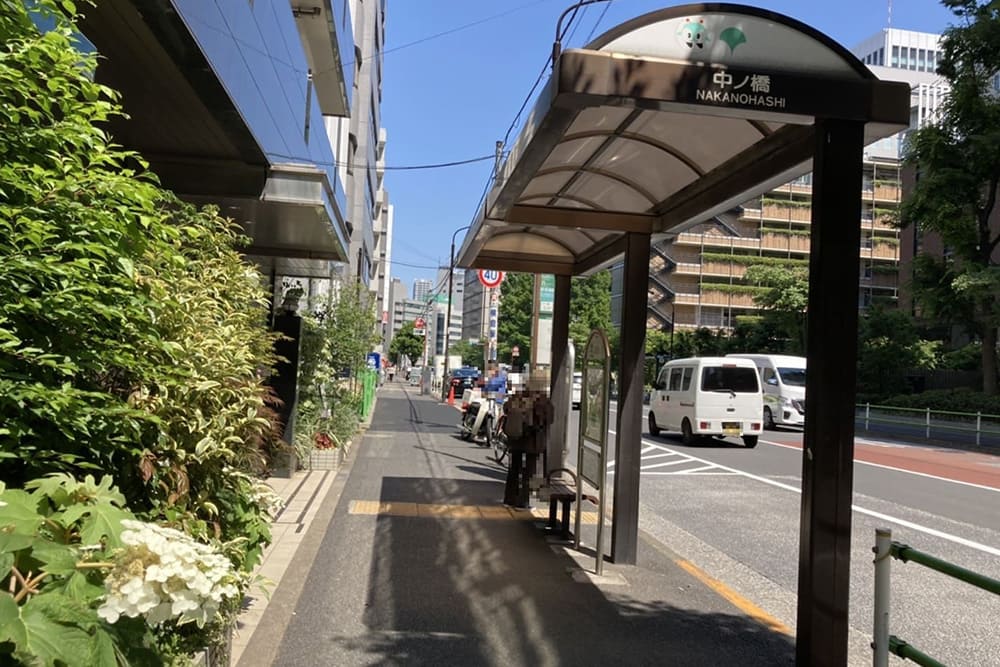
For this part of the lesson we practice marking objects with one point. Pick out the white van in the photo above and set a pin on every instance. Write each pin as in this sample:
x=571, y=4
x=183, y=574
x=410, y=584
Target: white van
x=783, y=378
x=714, y=396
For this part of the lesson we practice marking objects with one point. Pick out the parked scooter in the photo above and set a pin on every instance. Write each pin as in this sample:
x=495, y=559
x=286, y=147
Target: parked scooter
x=479, y=420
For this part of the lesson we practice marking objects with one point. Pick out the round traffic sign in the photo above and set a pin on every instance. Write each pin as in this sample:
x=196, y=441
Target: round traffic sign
x=490, y=278
x=419, y=323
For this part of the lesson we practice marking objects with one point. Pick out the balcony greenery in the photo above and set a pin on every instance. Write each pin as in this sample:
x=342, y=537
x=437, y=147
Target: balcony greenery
x=729, y=288
x=751, y=260
x=784, y=231
x=787, y=203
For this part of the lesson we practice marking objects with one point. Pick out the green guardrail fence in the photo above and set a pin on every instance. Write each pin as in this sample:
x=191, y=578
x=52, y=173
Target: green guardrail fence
x=885, y=550
x=369, y=380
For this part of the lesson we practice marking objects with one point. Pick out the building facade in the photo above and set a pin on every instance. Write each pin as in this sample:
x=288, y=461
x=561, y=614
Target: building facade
x=247, y=106
x=422, y=288
x=475, y=308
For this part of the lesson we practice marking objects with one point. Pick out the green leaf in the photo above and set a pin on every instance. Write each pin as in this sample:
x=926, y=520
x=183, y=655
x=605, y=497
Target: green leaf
x=103, y=652
x=57, y=559
x=11, y=626
x=104, y=522
x=6, y=563
x=13, y=542
x=19, y=512
x=48, y=639
x=79, y=587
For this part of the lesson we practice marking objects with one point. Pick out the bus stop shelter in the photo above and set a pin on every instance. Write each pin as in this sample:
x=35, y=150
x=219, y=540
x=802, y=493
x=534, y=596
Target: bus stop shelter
x=655, y=126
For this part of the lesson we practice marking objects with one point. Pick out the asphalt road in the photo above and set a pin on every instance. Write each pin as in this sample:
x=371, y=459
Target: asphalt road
x=735, y=512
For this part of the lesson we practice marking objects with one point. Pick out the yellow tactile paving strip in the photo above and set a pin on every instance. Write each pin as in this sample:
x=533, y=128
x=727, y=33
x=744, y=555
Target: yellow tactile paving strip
x=424, y=510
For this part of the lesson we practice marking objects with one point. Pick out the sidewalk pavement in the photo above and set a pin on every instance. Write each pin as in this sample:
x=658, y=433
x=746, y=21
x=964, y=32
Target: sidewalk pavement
x=407, y=556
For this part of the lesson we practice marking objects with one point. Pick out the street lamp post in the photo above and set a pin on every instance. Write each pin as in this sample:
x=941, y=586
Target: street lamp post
x=451, y=277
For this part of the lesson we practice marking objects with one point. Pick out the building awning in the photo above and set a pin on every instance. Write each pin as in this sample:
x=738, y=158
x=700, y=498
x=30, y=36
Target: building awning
x=195, y=112
x=296, y=226
x=663, y=122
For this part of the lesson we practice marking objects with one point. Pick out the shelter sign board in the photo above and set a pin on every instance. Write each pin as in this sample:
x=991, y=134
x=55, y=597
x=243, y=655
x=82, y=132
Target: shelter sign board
x=592, y=448
x=541, y=327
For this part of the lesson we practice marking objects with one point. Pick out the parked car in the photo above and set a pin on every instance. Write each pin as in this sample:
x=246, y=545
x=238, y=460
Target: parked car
x=577, y=389
x=461, y=379
x=708, y=396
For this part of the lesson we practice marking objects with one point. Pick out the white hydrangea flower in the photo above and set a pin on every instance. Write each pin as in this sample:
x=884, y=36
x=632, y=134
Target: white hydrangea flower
x=164, y=574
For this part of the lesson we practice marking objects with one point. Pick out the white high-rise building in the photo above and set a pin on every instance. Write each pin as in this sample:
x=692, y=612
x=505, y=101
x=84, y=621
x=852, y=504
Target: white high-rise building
x=422, y=289
x=911, y=57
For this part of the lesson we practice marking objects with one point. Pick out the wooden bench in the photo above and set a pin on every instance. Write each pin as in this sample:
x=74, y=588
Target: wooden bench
x=564, y=492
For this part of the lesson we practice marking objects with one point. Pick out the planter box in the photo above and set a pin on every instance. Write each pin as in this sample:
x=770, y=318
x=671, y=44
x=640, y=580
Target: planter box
x=325, y=459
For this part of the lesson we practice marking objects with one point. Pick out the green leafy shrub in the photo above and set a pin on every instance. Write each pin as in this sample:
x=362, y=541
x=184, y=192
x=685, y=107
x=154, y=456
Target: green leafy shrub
x=133, y=337
x=948, y=400
x=966, y=358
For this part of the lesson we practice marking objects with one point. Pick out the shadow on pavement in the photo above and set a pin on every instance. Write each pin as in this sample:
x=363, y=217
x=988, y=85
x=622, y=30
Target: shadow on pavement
x=434, y=590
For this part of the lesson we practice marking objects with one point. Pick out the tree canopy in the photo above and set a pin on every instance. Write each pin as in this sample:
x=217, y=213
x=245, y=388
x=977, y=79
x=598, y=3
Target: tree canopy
x=784, y=302
x=590, y=308
x=406, y=343
x=957, y=159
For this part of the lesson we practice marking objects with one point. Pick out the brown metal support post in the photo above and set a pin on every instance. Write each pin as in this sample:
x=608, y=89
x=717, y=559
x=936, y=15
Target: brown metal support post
x=828, y=442
x=628, y=443
x=560, y=377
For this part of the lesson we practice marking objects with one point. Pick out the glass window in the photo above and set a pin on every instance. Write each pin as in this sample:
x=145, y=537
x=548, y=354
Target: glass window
x=881, y=56
x=921, y=60
x=675, y=379
x=686, y=382
x=770, y=377
x=736, y=379
x=662, y=380
x=913, y=58
x=895, y=56
x=794, y=377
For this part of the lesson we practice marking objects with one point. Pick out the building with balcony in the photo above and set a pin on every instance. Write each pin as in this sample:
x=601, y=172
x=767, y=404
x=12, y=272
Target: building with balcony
x=696, y=277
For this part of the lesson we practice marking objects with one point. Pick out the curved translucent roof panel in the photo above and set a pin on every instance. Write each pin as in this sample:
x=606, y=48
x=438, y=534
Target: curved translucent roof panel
x=663, y=122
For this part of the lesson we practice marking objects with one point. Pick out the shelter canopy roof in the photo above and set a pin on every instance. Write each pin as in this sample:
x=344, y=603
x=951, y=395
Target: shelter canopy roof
x=663, y=122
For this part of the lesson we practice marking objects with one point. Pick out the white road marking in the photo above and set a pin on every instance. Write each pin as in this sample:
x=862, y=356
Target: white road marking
x=857, y=508
x=696, y=470
x=658, y=456
x=887, y=467
x=665, y=464
x=655, y=473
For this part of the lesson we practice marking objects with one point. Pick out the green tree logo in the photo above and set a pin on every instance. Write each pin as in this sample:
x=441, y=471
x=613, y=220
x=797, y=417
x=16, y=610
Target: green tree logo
x=733, y=37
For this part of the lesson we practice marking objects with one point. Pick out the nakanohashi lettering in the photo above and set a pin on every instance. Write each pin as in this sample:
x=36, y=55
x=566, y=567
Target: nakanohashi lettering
x=741, y=99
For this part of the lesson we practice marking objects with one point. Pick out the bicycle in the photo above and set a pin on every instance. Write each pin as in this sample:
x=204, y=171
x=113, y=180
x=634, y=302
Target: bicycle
x=498, y=440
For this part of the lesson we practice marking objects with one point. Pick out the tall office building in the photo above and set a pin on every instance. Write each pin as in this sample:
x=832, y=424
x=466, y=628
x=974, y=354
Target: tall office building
x=422, y=289
x=363, y=140
x=243, y=92
x=474, y=308
x=457, y=294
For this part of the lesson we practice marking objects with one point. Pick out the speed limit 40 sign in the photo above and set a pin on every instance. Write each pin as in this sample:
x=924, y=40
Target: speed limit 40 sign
x=490, y=278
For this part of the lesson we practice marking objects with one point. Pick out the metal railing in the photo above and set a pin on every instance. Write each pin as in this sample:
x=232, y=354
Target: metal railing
x=972, y=427
x=884, y=643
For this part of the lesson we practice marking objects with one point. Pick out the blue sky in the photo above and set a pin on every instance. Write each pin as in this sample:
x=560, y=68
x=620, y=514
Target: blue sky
x=451, y=97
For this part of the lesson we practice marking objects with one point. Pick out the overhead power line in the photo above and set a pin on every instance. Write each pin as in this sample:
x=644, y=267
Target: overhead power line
x=412, y=167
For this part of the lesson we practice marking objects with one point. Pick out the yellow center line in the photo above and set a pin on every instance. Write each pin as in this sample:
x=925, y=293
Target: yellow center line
x=442, y=511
